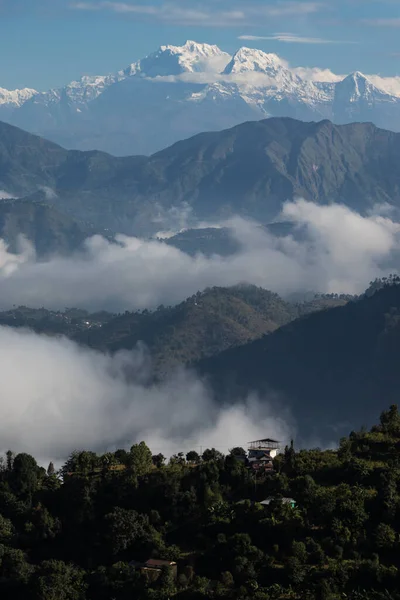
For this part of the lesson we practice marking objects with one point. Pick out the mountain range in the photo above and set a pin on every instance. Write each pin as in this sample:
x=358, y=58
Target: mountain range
x=250, y=170
x=179, y=91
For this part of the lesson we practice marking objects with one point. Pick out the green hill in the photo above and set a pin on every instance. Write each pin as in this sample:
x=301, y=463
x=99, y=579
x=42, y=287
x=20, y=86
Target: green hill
x=202, y=326
x=333, y=368
x=322, y=525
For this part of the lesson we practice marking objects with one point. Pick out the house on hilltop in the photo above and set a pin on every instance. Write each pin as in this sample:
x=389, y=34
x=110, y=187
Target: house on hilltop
x=153, y=567
x=261, y=454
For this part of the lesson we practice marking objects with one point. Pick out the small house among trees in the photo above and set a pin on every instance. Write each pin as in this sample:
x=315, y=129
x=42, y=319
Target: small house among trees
x=261, y=453
x=154, y=567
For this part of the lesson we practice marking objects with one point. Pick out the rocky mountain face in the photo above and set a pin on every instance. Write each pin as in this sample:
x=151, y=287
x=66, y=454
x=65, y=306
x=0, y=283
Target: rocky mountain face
x=179, y=91
x=249, y=170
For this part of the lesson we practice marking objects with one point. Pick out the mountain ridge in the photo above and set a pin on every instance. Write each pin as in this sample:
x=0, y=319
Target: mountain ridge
x=191, y=88
x=250, y=170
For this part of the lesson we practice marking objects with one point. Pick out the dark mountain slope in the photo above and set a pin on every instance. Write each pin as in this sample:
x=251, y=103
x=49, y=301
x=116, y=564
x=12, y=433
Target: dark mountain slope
x=334, y=368
x=203, y=325
x=49, y=230
x=248, y=170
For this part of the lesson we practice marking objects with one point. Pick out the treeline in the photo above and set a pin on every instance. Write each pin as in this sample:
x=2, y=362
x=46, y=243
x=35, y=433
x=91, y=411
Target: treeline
x=79, y=533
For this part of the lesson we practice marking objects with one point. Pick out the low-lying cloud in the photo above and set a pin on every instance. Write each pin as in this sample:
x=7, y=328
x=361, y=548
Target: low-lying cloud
x=57, y=397
x=331, y=249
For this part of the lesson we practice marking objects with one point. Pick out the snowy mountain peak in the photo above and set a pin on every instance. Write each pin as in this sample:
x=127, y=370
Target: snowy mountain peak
x=357, y=75
x=88, y=87
x=169, y=60
x=356, y=86
x=201, y=50
x=15, y=98
x=248, y=59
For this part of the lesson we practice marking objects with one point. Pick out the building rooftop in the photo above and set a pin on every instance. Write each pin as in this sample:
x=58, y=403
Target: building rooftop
x=268, y=501
x=155, y=562
x=269, y=440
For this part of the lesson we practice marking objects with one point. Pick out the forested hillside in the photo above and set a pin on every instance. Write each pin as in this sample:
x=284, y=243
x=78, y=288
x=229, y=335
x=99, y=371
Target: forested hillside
x=332, y=368
x=86, y=532
x=203, y=325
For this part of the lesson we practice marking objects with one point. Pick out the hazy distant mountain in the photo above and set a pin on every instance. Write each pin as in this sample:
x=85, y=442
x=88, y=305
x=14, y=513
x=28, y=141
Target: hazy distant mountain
x=49, y=230
x=179, y=91
x=249, y=170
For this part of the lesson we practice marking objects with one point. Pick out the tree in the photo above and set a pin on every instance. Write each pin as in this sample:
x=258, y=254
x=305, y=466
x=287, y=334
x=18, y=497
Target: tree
x=390, y=421
x=80, y=463
x=140, y=459
x=227, y=579
x=14, y=566
x=56, y=580
x=158, y=460
x=46, y=526
x=238, y=451
x=385, y=536
x=177, y=459
x=211, y=454
x=25, y=474
x=123, y=527
x=290, y=459
x=10, y=460
x=121, y=456
x=6, y=529
x=50, y=469
x=193, y=457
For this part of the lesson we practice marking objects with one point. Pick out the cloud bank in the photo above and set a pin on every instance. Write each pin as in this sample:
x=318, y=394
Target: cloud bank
x=331, y=249
x=292, y=38
x=57, y=397
x=203, y=13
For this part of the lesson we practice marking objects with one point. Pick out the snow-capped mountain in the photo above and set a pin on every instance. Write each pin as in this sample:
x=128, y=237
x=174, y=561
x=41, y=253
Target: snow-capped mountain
x=358, y=99
x=175, y=60
x=247, y=60
x=13, y=99
x=179, y=91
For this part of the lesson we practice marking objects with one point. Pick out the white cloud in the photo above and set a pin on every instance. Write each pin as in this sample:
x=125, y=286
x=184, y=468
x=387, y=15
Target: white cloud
x=49, y=193
x=317, y=74
x=290, y=38
x=73, y=398
x=388, y=84
x=5, y=195
x=350, y=249
x=205, y=13
x=340, y=251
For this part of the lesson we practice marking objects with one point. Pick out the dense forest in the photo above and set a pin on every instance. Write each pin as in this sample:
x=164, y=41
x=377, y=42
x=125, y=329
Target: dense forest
x=83, y=532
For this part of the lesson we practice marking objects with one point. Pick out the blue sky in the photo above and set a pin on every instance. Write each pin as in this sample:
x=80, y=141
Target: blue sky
x=46, y=43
